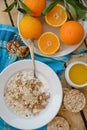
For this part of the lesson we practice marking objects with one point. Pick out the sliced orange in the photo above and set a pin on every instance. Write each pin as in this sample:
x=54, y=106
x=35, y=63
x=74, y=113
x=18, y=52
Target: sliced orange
x=57, y=16
x=48, y=43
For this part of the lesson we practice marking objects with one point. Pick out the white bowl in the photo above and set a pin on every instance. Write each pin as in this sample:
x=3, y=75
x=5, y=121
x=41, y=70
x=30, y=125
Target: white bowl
x=51, y=109
x=67, y=74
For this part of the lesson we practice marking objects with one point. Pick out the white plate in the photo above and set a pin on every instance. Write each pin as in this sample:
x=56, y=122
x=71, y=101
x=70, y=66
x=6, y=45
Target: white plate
x=64, y=49
x=44, y=116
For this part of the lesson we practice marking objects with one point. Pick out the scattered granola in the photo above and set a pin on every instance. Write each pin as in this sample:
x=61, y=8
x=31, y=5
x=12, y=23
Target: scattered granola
x=74, y=100
x=58, y=123
x=25, y=95
x=22, y=51
x=14, y=47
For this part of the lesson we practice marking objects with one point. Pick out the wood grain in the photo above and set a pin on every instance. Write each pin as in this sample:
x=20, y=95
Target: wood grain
x=13, y=13
x=75, y=120
x=81, y=57
x=4, y=17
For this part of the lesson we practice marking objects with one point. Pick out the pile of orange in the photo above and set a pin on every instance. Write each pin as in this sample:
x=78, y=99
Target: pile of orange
x=71, y=32
x=48, y=43
x=36, y=6
x=57, y=16
x=30, y=27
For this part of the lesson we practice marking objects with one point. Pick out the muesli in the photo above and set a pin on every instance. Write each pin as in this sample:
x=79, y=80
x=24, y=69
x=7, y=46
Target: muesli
x=25, y=95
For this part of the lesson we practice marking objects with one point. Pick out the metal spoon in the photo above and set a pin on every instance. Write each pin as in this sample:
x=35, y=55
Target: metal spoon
x=30, y=44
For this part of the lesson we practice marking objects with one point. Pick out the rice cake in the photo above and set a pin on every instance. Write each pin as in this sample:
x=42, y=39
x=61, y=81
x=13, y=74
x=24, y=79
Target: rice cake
x=74, y=100
x=58, y=123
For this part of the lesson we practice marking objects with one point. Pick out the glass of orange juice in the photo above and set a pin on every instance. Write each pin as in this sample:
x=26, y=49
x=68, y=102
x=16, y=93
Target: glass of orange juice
x=76, y=74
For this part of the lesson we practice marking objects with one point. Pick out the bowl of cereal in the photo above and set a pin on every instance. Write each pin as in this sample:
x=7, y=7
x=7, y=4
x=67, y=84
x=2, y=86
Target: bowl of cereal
x=24, y=100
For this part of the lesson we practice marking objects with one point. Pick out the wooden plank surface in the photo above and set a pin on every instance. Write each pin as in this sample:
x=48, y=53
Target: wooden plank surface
x=4, y=17
x=82, y=57
x=77, y=121
x=13, y=13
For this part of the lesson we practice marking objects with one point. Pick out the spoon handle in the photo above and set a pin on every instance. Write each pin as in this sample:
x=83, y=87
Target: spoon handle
x=30, y=43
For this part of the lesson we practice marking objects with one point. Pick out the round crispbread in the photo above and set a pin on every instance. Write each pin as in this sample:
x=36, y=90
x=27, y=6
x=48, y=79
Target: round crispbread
x=74, y=100
x=66, y=90
x=58, y=123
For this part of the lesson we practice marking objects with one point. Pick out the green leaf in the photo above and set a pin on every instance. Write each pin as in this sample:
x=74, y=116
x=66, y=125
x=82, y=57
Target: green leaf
x=49, y=7
x=79, y=9
x=10, y=7
x=27, y=10
x=15, y=3
x=21, y=10
x=81, y=13
x=71, y=11
x=73, y=2
x=81, y=6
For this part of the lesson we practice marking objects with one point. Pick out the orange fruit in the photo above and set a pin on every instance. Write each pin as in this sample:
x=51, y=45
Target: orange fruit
x=71, y=32
x=48, y=43
x=30, y=27
x=57, y=16
x=36, y=6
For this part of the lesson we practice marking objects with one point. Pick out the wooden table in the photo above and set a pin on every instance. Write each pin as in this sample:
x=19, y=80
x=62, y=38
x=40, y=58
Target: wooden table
x=77, y=121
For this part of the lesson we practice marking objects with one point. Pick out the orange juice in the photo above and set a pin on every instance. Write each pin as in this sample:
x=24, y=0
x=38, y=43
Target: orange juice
x=78, y=74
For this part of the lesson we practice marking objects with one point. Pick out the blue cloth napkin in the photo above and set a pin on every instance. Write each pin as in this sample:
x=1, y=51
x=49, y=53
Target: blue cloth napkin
x=8, y=33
